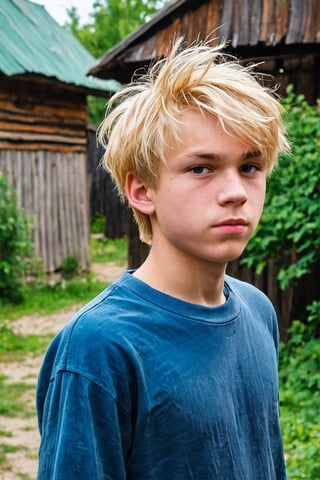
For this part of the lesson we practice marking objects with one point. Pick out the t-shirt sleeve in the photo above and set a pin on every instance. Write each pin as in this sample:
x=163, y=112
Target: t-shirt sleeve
x=84, y=433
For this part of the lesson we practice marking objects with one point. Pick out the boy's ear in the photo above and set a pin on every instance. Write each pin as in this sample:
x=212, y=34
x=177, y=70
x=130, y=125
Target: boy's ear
x=138, y=194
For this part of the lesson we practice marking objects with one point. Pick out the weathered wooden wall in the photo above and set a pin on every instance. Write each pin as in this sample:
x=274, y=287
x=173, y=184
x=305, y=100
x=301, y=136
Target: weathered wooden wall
x=244, y=22
x=43, y=153
x=284, y=34
x=37, y=115
x=52, y=187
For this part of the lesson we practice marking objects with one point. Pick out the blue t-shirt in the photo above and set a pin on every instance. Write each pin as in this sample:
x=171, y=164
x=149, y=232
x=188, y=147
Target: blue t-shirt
x=141, y=385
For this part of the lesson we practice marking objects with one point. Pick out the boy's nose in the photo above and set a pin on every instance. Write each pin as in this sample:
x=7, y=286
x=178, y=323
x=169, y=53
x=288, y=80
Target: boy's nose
x=232, y=189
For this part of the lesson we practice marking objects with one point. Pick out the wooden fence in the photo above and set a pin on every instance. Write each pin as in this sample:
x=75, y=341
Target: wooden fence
x=103, y=196
x=291, y=303
x=52, y=188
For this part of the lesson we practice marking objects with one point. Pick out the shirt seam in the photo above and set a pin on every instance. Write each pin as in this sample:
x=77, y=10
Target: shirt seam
x=76, y=373
x=179, y=314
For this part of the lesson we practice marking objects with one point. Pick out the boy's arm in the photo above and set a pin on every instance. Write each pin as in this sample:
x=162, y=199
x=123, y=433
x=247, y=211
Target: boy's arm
x=84, y=434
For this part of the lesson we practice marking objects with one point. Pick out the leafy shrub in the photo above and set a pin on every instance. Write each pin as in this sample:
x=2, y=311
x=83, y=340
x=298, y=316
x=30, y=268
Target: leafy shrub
x=289, y=233
x=70, y=267
x=299, y=397
x=15, y=244
x=289, y=230
x=97, y=223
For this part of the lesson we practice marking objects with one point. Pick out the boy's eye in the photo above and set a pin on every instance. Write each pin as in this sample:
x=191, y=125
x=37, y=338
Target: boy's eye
x=200, y=170
x=250, y=168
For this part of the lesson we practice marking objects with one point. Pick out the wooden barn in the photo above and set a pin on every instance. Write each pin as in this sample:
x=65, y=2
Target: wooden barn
x=43, y=127
x=282, y=34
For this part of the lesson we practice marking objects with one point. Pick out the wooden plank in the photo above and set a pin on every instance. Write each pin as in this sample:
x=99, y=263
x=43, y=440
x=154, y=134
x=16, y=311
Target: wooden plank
x=40, y=212
x=237, y=23
x=57, y=130
x=19, y=176
x=294, y=34
x=281, y=19
x=200, y=22
x=48, y=211
x=83, y=212
x=147, y=51
x=213, y=20
x=244, y=15
x=66, y=193
x=36, y=201
x=226, y=20
x=38, y=137
x=48, y=117
x=55, y=218
x=255, y=21
x=71, y=194
x=61, y=221
x=35, y=146
x=57, y=112
x=308, y=21
x=268, y=30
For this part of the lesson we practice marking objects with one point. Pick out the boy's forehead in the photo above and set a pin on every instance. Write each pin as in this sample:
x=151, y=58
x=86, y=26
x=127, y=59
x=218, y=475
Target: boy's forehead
x=192, y=123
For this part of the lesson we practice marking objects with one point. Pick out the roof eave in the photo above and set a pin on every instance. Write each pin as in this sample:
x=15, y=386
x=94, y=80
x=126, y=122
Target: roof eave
x=158, y=20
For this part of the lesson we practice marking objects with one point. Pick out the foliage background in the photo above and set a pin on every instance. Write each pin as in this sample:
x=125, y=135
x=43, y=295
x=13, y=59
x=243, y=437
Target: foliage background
x=289, y=230
x=289, y=233
x=15, y=244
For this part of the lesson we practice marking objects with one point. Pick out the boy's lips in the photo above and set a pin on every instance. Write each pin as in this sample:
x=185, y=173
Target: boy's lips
x=232, y=225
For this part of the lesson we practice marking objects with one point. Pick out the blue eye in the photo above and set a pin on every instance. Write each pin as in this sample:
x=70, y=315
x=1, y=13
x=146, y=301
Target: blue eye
x=249, y=168
x=200, y=170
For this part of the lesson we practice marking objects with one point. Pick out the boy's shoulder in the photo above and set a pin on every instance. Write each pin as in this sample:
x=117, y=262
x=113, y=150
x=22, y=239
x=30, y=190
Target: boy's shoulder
x=248, y=293
x=91, y=339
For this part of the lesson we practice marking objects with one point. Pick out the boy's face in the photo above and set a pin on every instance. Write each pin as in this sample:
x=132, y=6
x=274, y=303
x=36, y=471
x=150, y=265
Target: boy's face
x=209, y=196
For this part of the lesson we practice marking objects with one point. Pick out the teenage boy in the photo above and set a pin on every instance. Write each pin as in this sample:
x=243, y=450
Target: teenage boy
x=171, y=372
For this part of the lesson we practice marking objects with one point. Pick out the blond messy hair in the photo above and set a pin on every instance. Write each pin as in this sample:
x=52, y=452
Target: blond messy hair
x=141, y=115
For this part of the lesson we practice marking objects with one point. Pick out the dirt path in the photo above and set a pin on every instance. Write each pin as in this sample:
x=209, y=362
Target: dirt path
x=21, y=434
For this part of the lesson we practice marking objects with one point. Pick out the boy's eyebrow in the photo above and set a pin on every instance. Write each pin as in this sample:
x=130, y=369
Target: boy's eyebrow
x=217, y=157
x=252, y=154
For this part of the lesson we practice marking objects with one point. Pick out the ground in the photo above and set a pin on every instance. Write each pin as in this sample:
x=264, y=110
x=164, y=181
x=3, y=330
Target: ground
x=22, y=463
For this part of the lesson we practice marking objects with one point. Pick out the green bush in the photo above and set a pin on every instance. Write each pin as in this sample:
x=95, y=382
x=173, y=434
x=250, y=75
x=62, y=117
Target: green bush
x=289, y=233
x=70, y=267
x=15, y=244
x=289, y=230
x=299, y=397
x=97, y=223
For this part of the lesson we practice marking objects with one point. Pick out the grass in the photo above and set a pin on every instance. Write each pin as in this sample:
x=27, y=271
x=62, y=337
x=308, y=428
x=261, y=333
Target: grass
x=12, y=401
x=106, y=250
x=45, y=298
x=12, y=345
x=4, y=449
x=299, y=397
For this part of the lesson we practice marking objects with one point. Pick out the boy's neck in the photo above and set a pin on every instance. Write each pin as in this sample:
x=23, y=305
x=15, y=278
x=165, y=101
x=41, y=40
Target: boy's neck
x=195, y=282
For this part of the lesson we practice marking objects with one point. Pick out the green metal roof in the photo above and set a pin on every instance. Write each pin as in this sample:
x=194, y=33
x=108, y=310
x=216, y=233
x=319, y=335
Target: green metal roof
x=32, y=42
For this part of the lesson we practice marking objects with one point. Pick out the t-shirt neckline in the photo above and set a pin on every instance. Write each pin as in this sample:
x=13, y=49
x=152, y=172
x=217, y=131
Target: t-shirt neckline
x=220, y=314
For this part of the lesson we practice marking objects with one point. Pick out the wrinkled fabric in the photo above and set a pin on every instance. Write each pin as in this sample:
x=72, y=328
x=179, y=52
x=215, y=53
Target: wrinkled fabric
x=141, y=385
